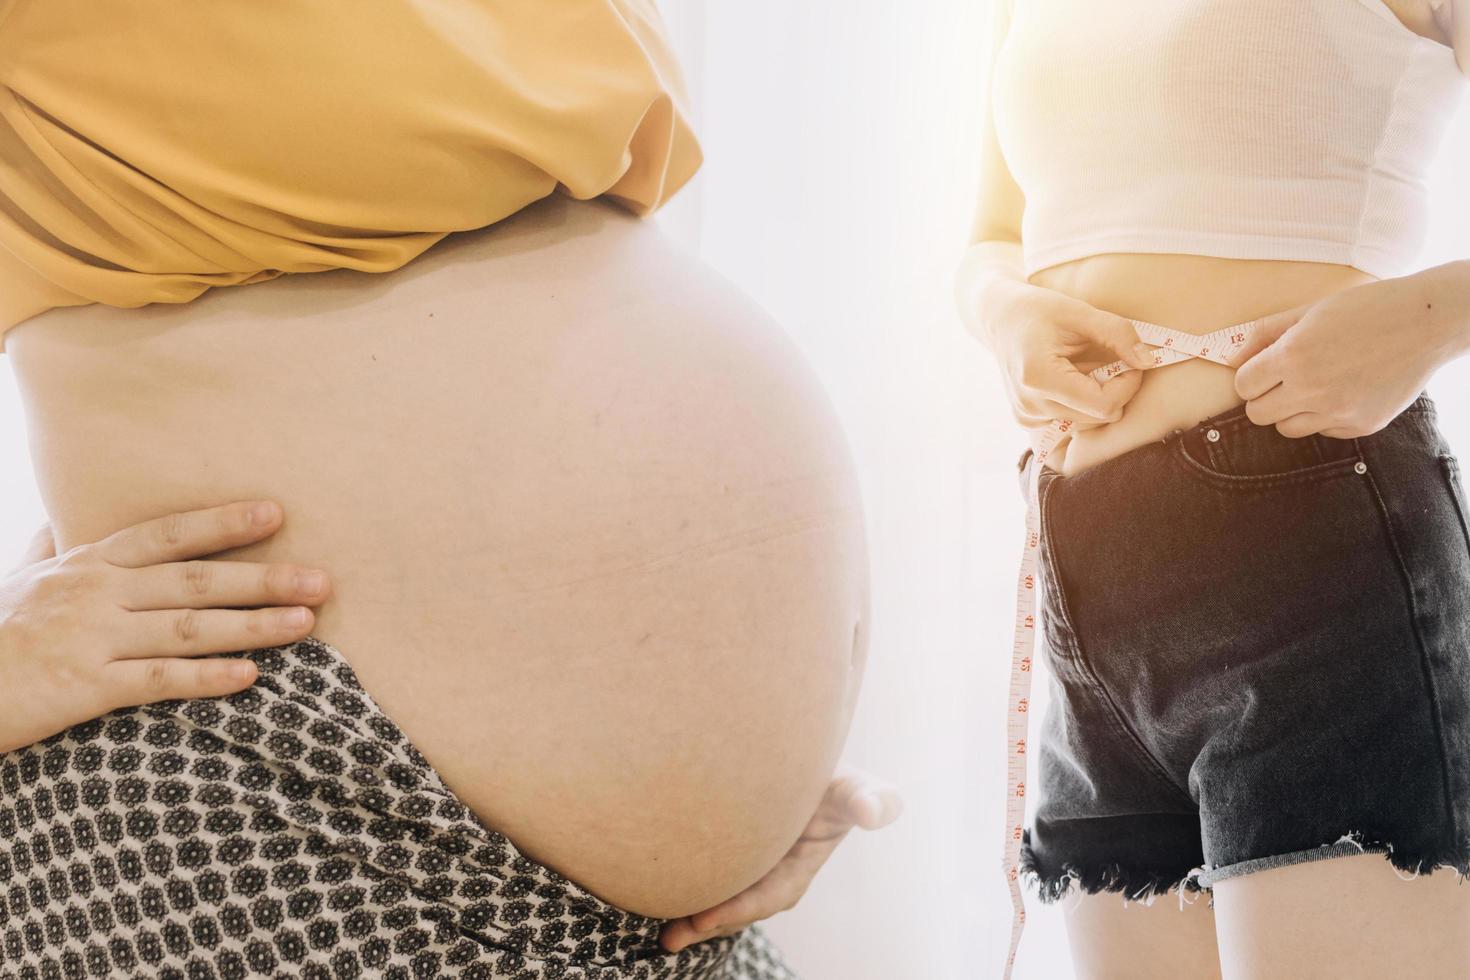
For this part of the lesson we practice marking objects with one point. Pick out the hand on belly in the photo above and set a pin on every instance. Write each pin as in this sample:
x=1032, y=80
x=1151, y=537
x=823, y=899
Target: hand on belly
x=1194, y=293
x=1172, y=397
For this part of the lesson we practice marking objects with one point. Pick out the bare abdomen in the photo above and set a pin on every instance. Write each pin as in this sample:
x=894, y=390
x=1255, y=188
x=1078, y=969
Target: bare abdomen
x=1193, y=293
x=594, y=535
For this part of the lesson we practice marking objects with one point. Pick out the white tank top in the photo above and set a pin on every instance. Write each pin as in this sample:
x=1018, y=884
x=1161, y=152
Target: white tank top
x=1266, y=129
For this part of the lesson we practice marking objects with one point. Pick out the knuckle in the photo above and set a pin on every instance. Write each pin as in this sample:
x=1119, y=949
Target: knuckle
x=156, y=678
x=72, y=557
x=186, y=626
x=71, y=675
x=84, y=581
x=172, y=529
x=198, y=577
x=262, y=622
x=68, y=584
x=278, y=580
x=80, y=565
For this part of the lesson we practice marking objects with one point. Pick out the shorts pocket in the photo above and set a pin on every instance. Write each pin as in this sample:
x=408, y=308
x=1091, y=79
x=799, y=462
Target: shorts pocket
x=1056, y=621
x=1230, y=451
x=1238, y=454
x=1068, y=660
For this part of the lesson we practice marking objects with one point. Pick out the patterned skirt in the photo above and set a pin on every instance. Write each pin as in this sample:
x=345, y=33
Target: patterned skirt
x=292, y=830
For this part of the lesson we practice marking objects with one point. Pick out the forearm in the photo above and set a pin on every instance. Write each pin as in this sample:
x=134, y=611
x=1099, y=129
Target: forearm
x=987, y=266
x=1446, y=295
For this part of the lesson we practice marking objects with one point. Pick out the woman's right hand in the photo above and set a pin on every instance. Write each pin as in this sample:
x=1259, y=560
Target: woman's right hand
x=1046, y=342
x=117, y=622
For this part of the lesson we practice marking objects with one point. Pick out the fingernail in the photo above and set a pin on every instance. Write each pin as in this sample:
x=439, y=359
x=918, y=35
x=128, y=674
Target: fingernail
x=241, y=671
x=1144, y=351
x=294, y=618
x=263, y=513
x=311, y=582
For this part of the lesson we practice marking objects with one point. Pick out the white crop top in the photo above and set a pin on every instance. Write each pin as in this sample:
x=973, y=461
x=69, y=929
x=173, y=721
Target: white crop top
x=1268, y=129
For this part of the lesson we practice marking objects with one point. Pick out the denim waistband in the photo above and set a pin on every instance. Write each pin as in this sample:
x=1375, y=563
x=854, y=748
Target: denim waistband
x=1202, y=439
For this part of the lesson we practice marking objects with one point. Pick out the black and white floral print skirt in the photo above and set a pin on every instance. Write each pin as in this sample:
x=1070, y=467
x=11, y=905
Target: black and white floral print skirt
x=292, y=830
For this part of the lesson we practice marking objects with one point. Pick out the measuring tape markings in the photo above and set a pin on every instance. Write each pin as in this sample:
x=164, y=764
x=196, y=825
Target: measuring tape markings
x=1170, y=347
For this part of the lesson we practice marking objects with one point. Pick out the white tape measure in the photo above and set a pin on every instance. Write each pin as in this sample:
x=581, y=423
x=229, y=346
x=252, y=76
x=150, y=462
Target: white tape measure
x=1170, y=346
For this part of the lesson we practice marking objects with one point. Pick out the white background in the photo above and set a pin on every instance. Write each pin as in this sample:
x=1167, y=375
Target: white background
x=841, y=139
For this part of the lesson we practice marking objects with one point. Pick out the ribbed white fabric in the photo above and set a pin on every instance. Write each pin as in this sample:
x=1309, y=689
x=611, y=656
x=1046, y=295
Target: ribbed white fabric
x=1270, y=129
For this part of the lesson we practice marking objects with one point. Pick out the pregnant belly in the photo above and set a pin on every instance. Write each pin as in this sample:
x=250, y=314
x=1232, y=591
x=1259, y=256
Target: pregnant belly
x=1193, y=293
x=594, y=534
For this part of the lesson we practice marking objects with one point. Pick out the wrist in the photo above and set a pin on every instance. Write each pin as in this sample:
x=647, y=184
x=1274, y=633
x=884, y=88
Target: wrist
x=989, y=274
x=1445, y=294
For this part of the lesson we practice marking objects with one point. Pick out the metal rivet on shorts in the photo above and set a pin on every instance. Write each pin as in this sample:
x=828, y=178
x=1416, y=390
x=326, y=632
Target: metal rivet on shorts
x=1213, y=435
x=1360, y=467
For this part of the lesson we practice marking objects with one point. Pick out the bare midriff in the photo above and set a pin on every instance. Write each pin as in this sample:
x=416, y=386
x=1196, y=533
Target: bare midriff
x=1193, y=293
x=594, y=533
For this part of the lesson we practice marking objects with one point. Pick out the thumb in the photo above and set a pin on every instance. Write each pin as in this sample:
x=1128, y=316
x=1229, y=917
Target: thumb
x=1263, y=332
x=1117, y=334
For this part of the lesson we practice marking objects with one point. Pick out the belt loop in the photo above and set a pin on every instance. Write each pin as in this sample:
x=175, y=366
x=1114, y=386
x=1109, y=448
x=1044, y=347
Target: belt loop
x=1022, y=477
x=1192, y=442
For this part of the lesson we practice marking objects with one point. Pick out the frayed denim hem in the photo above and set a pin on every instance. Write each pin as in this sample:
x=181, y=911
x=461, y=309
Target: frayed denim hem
x=1135, y=885
x=1146, y=886
x=1352, y=843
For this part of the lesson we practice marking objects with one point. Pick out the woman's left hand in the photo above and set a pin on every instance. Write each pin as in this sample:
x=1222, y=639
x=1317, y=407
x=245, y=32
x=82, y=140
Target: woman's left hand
x=1347, y=364
x=853, y=799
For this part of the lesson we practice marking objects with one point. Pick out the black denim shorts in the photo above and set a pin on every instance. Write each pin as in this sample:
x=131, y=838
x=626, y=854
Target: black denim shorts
x=1259, y=655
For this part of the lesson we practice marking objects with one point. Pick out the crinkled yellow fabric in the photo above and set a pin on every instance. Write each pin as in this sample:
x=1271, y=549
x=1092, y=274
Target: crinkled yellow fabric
x=151, y=149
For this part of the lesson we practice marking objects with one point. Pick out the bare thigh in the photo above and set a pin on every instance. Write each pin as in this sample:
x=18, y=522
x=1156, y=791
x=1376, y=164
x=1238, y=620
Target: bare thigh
x=1344, y=918
x=1112, y=940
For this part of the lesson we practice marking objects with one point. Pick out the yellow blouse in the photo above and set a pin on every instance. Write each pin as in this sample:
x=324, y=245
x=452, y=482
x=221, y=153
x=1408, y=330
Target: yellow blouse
x=150, y=150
